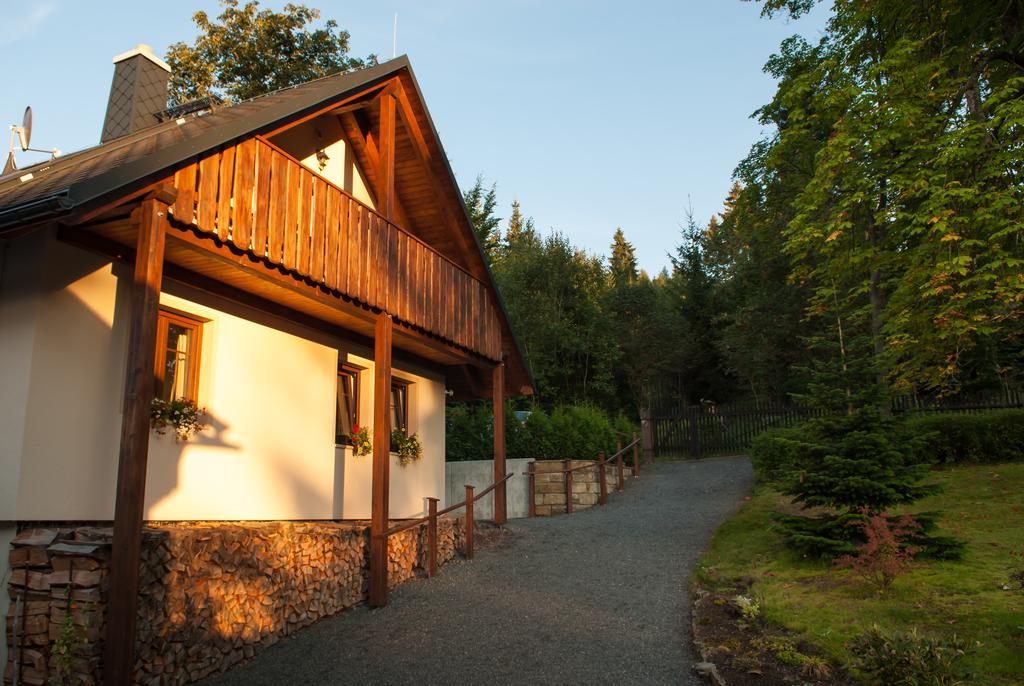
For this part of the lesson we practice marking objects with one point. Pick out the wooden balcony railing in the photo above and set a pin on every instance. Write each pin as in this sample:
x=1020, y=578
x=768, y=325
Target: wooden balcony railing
x=259, y=199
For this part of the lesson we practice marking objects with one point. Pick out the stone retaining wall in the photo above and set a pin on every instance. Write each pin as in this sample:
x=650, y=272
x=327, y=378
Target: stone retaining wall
x=211, y=594
x=549, y=485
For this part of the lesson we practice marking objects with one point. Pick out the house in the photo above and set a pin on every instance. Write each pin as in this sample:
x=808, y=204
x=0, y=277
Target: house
x=295, y=264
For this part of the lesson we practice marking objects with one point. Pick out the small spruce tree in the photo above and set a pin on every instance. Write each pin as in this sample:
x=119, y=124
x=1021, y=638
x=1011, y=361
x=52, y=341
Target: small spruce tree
x=851, y=467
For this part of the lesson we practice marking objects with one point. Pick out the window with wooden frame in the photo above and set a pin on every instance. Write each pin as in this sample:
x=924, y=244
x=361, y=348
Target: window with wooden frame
x=347, y=412
x=400, y=405
x=179, y=339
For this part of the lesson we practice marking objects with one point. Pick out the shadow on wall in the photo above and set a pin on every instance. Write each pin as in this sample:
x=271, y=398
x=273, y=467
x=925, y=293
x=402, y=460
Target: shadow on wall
x=76, y=385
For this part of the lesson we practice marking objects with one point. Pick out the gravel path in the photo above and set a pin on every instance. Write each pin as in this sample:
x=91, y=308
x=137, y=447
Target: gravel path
x=596, y=597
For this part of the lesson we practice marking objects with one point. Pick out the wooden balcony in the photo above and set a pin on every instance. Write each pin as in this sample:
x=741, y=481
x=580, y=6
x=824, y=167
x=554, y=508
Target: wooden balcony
x=261, y=201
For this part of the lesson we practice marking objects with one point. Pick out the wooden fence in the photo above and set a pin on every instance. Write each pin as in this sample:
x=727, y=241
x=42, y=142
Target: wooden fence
x=730, y=428
x=719, y=429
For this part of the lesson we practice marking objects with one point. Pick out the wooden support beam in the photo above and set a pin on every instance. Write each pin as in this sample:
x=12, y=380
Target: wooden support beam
x=352, y=107
x=426, y=159
x=119, y=652
x=500, y=511
x=364, y=144
x=381, y=461
x=386, y=172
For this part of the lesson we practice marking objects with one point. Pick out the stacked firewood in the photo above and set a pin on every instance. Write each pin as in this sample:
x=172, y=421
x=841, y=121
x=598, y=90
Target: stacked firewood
x=210, y=595
x=55, y=619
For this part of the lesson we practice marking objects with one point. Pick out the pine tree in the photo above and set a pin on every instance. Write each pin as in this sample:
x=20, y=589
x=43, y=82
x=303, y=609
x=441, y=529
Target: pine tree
x=480, y=203
x=622, y=263
x=852, y=467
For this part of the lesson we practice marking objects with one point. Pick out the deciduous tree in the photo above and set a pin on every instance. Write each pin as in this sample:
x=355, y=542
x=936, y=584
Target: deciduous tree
x=247, y=51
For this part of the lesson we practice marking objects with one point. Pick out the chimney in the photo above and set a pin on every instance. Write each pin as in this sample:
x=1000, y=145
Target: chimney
x=137, y=93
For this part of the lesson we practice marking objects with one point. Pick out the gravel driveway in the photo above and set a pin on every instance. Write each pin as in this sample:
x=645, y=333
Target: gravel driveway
x=596, y=597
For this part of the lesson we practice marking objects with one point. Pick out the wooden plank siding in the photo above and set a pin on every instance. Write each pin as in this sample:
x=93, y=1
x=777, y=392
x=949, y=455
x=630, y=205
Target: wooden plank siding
x=260, y=200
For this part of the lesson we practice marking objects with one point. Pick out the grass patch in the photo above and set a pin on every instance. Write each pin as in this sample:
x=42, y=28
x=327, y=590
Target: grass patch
x=981, y=505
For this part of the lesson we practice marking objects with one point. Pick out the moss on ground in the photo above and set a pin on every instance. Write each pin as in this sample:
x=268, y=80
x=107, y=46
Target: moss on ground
x=981, y=505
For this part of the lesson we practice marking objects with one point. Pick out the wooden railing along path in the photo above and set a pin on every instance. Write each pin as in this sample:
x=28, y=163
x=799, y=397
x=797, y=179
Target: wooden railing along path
x=431, y=521
x=259, y=199
x=602, y=476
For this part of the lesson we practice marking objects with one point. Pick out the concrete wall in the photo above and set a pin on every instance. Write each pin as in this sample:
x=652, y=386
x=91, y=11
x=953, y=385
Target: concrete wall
x=268, y=387
x=480, y=474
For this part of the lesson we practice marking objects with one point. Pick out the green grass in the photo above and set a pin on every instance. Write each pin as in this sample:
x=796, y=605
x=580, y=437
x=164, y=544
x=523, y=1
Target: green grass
x=981, y=505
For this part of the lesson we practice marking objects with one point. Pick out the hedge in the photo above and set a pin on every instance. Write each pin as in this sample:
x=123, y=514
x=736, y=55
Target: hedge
x=577, y=432
x=985, y=437
x=945, y=438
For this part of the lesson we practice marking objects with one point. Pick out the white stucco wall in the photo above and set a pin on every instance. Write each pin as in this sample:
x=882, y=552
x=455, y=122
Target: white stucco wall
x=268, y=386
x=409, y=484
x=19, y=299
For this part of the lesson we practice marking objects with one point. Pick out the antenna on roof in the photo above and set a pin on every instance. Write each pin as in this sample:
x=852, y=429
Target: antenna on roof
x=23, y=136
x=394, y=38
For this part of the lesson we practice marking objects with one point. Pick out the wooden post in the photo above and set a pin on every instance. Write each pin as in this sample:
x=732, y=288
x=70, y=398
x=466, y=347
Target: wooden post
x=386, y=174
x=602, y=478
x=647, y=430
x=381, y=461
x=469, y=522
x=621, y=485
x=568, y=486
x=432, y=536
x=119, y=650
x=531, y=469
x=636, y=457
x=500, y=511
x=694, y=413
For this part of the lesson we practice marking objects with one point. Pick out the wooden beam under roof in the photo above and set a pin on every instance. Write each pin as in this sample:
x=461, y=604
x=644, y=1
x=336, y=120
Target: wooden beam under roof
x=358, y=134
x=427, y=160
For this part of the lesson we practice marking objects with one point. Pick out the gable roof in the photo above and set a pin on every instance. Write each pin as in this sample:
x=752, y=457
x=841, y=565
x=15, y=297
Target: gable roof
x=72, y=181
x=82, y=180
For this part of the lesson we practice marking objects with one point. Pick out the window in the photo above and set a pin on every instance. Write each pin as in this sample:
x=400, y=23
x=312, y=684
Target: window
x=178, y=342
x=347, y=413
x=400, y=405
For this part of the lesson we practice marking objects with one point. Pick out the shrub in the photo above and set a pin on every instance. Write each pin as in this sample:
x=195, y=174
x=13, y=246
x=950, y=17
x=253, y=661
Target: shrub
x=576, y=432
x=907, y=659
x=750, y=608
x=886, y=553
x=580, y=432
x=774, y=452
x=985, y=437
x=468, y=432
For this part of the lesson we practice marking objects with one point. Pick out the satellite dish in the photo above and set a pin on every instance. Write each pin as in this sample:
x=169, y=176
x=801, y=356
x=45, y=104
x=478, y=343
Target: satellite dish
x=23, y=134
x=26, y=129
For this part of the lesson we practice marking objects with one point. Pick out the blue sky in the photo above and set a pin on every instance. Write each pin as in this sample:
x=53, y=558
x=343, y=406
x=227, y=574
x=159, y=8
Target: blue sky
x=593, y=114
